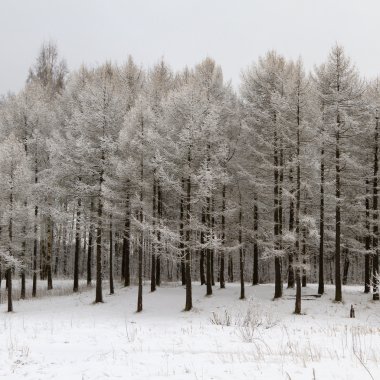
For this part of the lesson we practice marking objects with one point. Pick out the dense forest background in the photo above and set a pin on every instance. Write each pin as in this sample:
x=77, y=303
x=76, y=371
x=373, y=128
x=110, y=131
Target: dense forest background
x=129, y=174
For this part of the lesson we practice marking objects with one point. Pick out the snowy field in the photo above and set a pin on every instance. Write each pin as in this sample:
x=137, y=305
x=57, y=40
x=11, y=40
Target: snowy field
x=68, y=337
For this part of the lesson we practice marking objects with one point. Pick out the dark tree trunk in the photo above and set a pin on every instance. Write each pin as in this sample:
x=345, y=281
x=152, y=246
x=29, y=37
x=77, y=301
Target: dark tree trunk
x=112, y=290
x=49, y=239
x=367, y=268
x=9, y=270
x=304, y=253
x=375, y=240
x=65, y=245
x=159, y=247
x=298, y=309
x=126, y=243
x=346, y=266
x=202, y=266
x=141, y=242
x=140, y=266
x=35, y=243
x=223, y=238
x=230, y=269
x=212, y=253
x=117, y=252
x=154, y=244
x=22, y=294
x=183, y=271
x=43, y=253
x=298, y=306
x=338, y=280
x=291, y=229
x=255, y=280
x=189, y=300
x=280, y=207
x=77, y=247
x=241, y=250
x=58, y=251
x=181, y=235
x=321, y=280
x=90, y=247
x=304, y=283
x=208, y=250
x=23, y=246
x=202, y=258
x=9, y=288
x=84, y=249
x=277, y=259
x=99, y=292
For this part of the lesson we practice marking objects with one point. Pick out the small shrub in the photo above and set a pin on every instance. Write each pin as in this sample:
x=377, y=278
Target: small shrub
x=255, y=318
x=221, y=319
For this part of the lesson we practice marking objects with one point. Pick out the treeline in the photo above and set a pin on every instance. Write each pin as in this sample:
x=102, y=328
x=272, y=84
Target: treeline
x=136, y=174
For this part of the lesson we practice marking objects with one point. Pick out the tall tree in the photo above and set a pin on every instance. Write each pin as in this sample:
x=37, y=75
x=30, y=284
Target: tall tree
x=340, y=90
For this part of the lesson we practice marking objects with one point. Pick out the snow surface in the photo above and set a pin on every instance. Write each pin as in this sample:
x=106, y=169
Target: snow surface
x=68, y=337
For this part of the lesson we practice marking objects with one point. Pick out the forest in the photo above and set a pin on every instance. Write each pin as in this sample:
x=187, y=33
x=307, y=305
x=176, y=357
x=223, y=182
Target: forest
x=123, y=174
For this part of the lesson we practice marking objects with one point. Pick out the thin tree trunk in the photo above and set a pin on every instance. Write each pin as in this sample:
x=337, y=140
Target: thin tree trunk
x=304, y=256
x=298, y=307
x=230, y=268
x=280, y=208
x=223, y=238
x=23, y=249
x=338, y=281
x=43, y=252
x=159, y=246
x=255, y=280
x=241, y=251
x=375, y=241
x=140, y=267
x=9, y=288
x=127, y=243
x=22, y=294
x=84, y=249
x=321, y=280
x=202, y=258
x=212, y=254
x=58, y=251
x=367, y=268
x=66, y=246
x=189, y=300
x=34, y=289
x=49, y=239
x=99, y=291
x=9, y=270
x=90, y=247
x=181, y=234
x=154, y=245
x=208, y=251
x=291, y=229
x=77, y=248
x=141, y=242
x=277, y=259
x=112, y=290
x=346, y=266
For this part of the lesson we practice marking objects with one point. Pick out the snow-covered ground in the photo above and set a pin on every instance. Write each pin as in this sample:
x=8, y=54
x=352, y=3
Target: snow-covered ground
x=68, y=337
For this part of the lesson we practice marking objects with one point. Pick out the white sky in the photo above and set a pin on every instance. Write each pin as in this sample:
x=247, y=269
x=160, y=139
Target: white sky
x=233, y=32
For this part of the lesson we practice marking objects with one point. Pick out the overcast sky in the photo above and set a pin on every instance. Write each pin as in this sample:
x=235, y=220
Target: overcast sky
x=233, y=32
